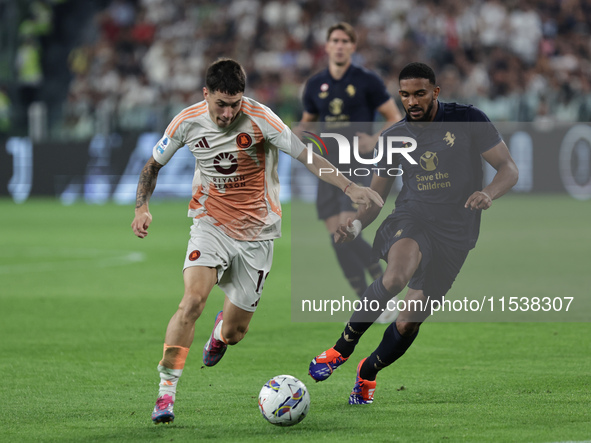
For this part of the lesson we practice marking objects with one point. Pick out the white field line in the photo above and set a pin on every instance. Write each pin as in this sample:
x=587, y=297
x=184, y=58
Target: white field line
x=74, y=259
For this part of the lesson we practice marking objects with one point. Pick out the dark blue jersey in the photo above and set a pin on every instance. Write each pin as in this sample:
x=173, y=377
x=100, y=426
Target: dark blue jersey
x=448, y=170
x=352, y=99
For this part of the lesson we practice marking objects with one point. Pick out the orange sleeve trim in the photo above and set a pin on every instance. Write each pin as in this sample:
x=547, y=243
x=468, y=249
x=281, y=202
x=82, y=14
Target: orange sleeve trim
x=186, y=111
x=259, y=112
x=252, y=114
x=194, y=111
x=171, y=130
x=263, y=112
x=174, y=357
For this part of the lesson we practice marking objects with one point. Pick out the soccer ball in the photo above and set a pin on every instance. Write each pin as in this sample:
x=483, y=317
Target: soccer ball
x=284, y=401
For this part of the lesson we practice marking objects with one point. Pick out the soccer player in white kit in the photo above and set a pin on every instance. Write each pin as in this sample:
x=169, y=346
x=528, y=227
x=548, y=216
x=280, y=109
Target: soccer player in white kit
x=235, y=209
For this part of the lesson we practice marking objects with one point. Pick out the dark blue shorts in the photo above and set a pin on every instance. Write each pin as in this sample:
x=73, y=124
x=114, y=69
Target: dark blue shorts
x=440, y=263
x=332, y=201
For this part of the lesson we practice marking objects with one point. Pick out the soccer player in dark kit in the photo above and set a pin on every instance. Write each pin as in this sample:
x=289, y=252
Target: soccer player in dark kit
x=434, y=225
x=337, y=96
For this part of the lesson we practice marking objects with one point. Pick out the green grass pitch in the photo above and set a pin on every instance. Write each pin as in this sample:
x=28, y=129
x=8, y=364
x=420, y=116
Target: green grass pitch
x=84, y=306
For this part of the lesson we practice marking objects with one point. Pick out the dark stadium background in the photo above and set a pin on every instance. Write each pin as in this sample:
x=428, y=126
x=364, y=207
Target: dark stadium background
x=73, y=70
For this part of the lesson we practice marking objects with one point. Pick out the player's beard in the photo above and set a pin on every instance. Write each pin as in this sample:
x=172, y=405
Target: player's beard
x=426, y=115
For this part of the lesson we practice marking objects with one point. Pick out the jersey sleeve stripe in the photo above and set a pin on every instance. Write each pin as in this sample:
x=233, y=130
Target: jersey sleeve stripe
x=190, y=109
x=263, y=116
x=196, y=107
x=171, y=130
x=259, y=112
x=183, y=115
x=262, y=110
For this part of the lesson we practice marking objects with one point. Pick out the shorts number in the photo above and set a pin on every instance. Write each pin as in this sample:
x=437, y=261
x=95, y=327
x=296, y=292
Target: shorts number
x=261, y=282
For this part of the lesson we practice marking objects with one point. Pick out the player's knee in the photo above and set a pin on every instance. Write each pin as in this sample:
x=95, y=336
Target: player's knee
x=407, y=328
x=394, y=283
x=192, y=306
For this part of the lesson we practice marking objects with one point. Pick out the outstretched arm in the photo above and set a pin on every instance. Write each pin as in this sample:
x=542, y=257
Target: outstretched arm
x=505, y=178
x=145, y=188
x=329, y=173
x=365, y=215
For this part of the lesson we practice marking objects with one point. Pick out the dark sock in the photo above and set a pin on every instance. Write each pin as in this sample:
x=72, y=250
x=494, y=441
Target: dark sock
x=351, y=265
x=375, y=270
x=391, y=348
x=364, y=251
x=361, y=320
x=374, y=300
x=358, y=284
x=349, y=339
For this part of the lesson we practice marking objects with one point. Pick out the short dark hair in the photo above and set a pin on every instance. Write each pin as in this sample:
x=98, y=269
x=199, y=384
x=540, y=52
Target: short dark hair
x=346, y=28
x=227, y=76
x=418, y=70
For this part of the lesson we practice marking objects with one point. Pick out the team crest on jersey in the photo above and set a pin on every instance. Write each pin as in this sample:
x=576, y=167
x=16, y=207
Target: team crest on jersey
x=194, y=255
x=323, y=91
x=449, y=138
x=336, y=106
x=398, y=234
x=351, y=90
x=243, y=140
x=429, y=161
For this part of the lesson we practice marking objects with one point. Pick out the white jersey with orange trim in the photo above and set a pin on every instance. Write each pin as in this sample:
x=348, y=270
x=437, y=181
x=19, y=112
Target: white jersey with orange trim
x=236, y=185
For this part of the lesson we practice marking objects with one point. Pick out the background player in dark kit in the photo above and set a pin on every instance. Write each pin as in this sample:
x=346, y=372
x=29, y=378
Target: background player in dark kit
x=342, y=94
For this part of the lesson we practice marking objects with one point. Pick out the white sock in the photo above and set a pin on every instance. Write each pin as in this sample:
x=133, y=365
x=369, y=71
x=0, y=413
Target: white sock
x=217, y=332
x=168, y=381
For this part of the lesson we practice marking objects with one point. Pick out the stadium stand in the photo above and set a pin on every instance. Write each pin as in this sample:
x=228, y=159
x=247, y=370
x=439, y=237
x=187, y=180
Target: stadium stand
x=132, y=65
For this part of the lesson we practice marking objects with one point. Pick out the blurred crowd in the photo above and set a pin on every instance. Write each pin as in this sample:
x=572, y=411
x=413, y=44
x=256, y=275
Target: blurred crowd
x=526, y=60
x=32, y=31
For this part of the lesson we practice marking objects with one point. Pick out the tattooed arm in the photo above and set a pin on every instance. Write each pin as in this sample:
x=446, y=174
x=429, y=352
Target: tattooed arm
x=145, y=188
